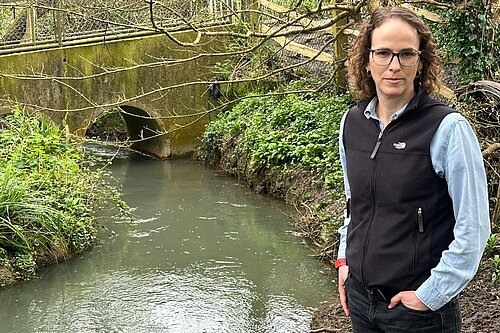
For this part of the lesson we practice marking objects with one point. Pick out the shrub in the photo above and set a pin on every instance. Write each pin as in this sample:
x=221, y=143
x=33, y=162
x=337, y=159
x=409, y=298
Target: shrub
x=286, y=131
x=47, y=195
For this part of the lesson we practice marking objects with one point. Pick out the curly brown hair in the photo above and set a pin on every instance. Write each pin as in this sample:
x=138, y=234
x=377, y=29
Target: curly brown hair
x=361, y=84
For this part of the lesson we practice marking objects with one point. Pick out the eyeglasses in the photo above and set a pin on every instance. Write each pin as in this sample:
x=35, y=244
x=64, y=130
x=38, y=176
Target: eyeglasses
x=406, y=58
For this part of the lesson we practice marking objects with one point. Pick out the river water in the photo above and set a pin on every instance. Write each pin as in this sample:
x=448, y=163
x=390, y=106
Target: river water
x=201, y=253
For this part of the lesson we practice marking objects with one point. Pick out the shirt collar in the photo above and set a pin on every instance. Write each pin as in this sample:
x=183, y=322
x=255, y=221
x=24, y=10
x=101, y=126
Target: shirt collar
x=370, y=110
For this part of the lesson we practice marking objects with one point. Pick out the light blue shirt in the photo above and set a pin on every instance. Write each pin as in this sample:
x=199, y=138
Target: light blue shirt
x=456, y=156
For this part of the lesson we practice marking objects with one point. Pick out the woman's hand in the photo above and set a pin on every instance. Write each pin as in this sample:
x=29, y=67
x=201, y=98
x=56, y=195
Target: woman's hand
x=343, y=272
x=409, y=299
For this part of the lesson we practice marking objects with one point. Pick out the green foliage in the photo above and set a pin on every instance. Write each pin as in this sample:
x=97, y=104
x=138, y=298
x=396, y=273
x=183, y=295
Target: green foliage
x=108, y=125
x=496, y=268
x=4, y=259
x=493, y=245
x=289, y=131
x=471, y=34
x=47, y=194
x=24, y=266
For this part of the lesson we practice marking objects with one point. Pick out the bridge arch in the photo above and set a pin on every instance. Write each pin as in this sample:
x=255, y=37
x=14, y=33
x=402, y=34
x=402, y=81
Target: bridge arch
x=145, y=131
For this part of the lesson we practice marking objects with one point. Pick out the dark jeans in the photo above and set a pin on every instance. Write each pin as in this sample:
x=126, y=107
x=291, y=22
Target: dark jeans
x=369, y=313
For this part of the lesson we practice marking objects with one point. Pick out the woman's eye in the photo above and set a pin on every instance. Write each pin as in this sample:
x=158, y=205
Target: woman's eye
x=383, y=53
x=407, y=54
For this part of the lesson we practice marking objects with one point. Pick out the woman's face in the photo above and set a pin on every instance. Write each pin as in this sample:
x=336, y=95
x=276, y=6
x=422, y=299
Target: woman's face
x=394, y=81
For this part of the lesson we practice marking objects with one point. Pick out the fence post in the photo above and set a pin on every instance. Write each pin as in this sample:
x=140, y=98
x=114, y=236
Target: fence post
x=58, y=24
x=31, y=22
x=236, y=14
x=211, y=7
x=339, y=48
x=254, y=6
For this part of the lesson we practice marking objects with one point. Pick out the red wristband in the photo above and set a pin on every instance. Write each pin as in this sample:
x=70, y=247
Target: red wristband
x=340, y=262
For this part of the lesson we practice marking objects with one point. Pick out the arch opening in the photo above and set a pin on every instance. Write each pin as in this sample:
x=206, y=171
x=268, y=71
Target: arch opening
x=146, y=134
x=109, y=126
x=132, y=127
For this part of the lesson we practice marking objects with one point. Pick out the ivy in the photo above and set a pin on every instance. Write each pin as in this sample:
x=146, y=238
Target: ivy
x=471, y=35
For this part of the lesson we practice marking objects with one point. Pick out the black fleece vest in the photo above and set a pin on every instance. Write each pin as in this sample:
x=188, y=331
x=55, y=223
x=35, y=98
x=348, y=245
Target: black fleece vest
x=401, y=214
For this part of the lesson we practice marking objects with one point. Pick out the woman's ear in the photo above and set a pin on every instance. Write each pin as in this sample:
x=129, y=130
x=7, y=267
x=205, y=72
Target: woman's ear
x=367, y=67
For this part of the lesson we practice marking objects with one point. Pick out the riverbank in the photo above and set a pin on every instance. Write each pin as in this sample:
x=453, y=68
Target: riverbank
x=286, y=145
x=48, y=193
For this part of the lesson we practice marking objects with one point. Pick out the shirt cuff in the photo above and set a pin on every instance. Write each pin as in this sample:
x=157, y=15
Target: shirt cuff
x=430, y=296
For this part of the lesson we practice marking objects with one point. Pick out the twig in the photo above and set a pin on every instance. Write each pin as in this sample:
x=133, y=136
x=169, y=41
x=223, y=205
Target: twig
x=325, y=329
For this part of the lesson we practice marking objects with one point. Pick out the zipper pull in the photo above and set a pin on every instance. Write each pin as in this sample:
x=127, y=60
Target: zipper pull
x=377, y=145
x=420, y=220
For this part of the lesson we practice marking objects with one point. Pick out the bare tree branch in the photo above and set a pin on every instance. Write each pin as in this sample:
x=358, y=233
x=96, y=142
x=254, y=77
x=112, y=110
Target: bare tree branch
x=492, y=149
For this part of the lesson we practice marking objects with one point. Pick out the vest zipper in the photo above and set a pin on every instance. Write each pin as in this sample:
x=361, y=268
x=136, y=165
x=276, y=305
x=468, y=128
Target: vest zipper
x=377, y=145
x=379, y=139
x=372, y=192
x=372, y=213
x=416, y=238
x=420, y=220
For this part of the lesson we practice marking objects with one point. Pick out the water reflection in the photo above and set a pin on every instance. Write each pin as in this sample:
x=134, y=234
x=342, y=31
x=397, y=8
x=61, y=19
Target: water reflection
x=202, y=254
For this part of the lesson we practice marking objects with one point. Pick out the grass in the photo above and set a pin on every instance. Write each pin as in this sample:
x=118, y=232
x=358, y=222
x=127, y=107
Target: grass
x=48, y=194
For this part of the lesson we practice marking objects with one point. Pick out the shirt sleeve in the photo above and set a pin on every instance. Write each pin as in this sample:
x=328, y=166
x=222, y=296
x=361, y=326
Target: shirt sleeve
x=457, y=157
x=343, y=229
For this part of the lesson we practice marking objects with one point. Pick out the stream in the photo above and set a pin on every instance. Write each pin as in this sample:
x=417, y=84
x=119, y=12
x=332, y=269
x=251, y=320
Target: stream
x=201, y=253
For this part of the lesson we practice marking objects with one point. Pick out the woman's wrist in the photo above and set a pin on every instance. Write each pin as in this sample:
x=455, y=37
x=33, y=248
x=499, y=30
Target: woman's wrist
x=340, y=262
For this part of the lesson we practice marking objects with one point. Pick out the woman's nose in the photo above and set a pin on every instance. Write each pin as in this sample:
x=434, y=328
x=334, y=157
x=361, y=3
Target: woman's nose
x=394, y=64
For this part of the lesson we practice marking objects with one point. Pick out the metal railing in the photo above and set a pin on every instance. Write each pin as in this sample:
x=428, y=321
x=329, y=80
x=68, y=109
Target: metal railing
x=38, y=22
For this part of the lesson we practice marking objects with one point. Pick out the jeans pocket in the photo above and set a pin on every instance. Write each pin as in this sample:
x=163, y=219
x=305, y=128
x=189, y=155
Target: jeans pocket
x=407, y=308
x=412, y=320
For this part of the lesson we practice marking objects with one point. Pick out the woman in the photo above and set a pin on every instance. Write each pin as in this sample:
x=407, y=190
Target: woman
x=417, y=217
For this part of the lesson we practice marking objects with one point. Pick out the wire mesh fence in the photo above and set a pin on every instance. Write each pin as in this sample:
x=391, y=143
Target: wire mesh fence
x=304, y=39
x=58, y=21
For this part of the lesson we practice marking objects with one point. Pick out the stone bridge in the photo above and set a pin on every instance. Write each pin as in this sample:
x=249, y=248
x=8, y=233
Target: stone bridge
x=160, y=87
x=73, y=60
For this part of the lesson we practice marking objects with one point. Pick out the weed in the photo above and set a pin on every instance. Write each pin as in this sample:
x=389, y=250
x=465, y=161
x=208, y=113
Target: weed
x=24, y=266
x=4, y=259
x=492, y=245
x=470, y=35
x=292, y=133
x=496, y=268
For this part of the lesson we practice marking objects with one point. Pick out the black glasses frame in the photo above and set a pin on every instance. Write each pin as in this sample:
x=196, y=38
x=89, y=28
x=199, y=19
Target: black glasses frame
x=396, y=54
